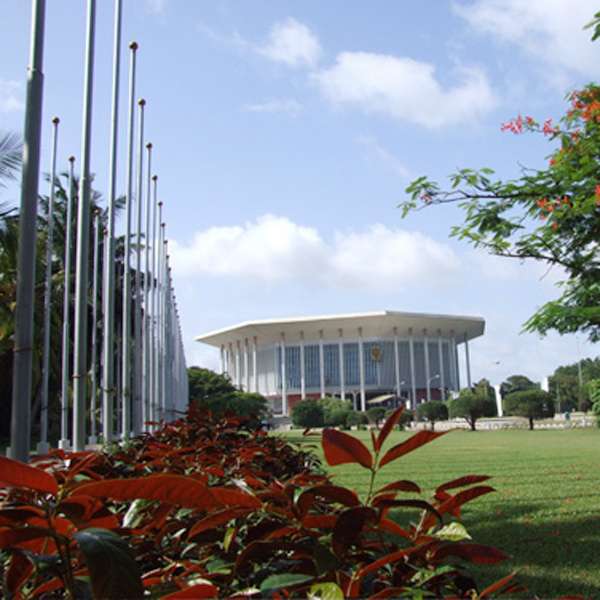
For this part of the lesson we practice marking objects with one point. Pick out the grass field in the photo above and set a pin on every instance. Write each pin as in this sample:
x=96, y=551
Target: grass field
x=545, y=513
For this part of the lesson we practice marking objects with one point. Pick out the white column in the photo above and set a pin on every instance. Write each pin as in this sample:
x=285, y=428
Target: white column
x=321, y=364
x=452, y=364
x=222, y=359
x=246, y=365
x=238, y=365
x=427, y=371
x=397, y=363
x=498, y=400
x=254, y=366
x=413, y=383
x=231, y=363
x=284, y=403
x=455, y=361
x=441, y=361
x=341, y=359
x=361, y=371
x=302, y=368
x=468, y=357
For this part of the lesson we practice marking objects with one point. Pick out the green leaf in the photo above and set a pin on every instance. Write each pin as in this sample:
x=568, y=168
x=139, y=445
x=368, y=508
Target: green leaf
x=277, y=582
x=113, y=571
x=453, y=532
x=325, y=591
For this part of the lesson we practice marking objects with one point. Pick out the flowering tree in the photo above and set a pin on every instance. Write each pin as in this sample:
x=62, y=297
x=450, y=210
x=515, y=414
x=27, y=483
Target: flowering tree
x=550, y=215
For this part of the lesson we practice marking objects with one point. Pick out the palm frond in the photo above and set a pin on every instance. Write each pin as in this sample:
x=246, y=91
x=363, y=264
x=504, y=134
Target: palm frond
x=11, y=150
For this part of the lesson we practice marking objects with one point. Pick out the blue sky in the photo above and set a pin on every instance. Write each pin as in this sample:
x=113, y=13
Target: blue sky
x=285, y=134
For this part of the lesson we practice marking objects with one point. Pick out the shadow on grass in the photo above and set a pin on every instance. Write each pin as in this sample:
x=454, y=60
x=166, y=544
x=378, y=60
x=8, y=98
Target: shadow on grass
x=554, y=555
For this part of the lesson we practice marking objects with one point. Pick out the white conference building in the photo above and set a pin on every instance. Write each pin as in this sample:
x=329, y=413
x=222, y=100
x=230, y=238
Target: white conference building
x=412, y=356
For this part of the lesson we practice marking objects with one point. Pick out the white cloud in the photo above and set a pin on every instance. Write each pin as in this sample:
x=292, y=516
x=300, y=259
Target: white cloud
x=375, y=150
x=283, y=105
x=156, y=7
x=405, y=89
x=11, y=94
x=275, y=248
x=549, y=30
x=292, y=43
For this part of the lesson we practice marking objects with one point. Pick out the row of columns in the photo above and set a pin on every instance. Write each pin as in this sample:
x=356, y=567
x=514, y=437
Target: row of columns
x=231, y=357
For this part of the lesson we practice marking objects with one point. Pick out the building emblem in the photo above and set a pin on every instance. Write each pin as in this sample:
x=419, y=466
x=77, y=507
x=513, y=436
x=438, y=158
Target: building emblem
x=376, y=353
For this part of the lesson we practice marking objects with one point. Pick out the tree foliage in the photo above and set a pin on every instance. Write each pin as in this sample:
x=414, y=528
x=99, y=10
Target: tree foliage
x=308, y=413
x=531, y=404
x=432, y=411
x=516, y=383
x=565, y=385
x=471, y=405
x=550, y=214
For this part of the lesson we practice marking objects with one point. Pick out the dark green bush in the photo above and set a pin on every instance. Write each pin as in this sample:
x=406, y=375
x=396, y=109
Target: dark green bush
x=432, y=411
x=407, y=417
x=336, y=417
x=472, y=404
x=375, y=414
x=356, y=419
x=531, y=404
x=308, y=413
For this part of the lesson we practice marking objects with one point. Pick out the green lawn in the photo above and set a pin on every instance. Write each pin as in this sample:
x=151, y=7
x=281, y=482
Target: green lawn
x=545, y=513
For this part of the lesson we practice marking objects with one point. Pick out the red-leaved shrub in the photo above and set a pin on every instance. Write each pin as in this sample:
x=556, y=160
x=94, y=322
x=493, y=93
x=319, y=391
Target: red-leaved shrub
x=206, y=508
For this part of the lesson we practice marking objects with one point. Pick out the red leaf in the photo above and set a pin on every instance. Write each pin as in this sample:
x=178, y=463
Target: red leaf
x=332, y=493
x=420, y=504
x=462, y=482
x=15, y=473
x=319, y=521
x=216, y=520
x=349, y=526
x=401, y=486
x=235, y=497
x=201, y=590
x=457, y=501
x=18, y=572
x=390, y=592
x=393, y=527
x=475, y=553
x=172, y=489
x=416, y=441
x=389, y=424
x=497, y=586
x=14, y=537
x=341, y=448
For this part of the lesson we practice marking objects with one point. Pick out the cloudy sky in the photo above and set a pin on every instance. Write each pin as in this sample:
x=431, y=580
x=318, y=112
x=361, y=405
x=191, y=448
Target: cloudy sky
x=285, y=134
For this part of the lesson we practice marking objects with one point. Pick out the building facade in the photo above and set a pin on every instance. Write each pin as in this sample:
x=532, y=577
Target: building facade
x=359, y=356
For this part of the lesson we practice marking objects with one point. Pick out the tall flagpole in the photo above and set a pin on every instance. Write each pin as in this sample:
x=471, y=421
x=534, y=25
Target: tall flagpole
x=108, y=301
x=126, y=324
x=83, y=242
x=93, y=439
x=146, y=317
x=135, y=417
x=43, y=446
x=20, y=425
x=155, y=246
x=66, y=339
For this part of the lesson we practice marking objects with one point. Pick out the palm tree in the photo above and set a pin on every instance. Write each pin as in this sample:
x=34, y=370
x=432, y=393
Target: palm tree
x=11, y=150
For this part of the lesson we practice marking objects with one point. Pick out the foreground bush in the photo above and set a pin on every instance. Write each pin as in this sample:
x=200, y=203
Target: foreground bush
x=308, y=413
x=204, y=509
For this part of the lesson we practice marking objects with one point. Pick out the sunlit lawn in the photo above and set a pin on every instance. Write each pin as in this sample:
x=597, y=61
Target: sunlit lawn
x=545, y=513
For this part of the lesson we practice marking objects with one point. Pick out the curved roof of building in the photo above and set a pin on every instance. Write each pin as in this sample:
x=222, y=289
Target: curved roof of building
x=374, y=324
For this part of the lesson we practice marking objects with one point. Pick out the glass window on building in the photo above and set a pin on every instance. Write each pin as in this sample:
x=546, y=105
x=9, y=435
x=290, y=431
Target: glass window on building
x=351, y=371
x=372, y=357
x=292, y=367
x=311, y=366
x=331, y=357
x=419, y=364
x=434, y=363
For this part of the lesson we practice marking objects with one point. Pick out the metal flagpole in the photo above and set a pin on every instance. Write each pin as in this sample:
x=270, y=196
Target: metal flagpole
x=43, y=447
x=137, y=336
x=20, y=426
x=146, y=318
x=154, y=301
x=149, y=301
x=83, y=232
x=108, y=301
x=93, y=439
x=126, y=324
x=66, y=339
